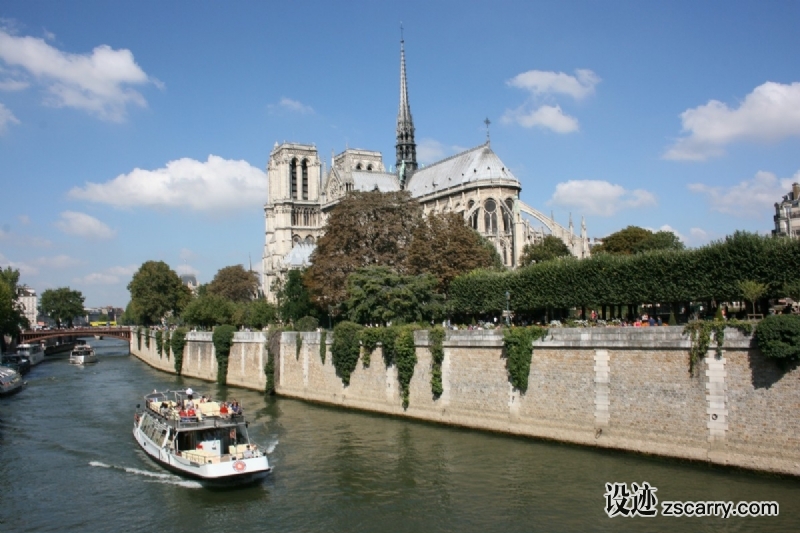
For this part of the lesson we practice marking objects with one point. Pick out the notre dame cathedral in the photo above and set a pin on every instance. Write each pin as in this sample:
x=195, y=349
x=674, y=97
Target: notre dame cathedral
x=474, y=183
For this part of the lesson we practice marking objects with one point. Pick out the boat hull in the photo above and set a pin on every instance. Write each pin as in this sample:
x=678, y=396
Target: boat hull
x=82, y=359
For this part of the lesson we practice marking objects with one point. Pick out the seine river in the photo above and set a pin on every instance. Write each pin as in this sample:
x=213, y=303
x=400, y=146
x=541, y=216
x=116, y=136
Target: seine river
x=68, y=462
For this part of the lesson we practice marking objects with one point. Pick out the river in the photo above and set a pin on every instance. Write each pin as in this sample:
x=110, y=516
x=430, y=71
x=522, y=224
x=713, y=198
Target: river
x=68, y=462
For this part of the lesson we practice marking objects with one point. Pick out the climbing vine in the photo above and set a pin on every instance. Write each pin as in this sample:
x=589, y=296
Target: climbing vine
x=177, y=343
x=436, y=338
x=223, y=339
x=405, y=356
x=139, y=338
x=147, y=337
x=700, y=332
x=322, y=345
x=160, y=343
x=298, y=343
x=519, y=353
x=345, y=349
x=273, y=348
x=370, y=337
x=778, y=338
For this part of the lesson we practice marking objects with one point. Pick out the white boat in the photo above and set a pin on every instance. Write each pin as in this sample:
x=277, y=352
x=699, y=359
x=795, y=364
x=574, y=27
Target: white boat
x=82, y=354
x=10, y=381
x=208, y=443
x=34, y=352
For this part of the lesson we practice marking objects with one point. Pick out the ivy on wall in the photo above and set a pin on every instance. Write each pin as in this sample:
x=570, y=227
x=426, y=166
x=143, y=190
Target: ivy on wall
x=700, y=332
x=405, y=357
x=298, y=343
x=323, y=347
x=436, y=338
x=139, y=338
x=160, y=343
x=177, y=343
x=273, y=349
x=518, y=343
x=147, y=337
x=345, y=349
x=370, y=338
x=223, y=339
x=778, y=338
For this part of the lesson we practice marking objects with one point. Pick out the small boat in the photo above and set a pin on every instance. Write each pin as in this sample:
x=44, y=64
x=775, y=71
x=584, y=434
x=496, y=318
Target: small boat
x=34, y=352
x=203, y=439
x=10, y=381
x=82, y=354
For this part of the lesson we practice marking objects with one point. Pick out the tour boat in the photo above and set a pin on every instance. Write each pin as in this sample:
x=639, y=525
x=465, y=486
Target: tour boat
x=34, y=352
x=199, y=438
x=10, y=381
x=82, y=354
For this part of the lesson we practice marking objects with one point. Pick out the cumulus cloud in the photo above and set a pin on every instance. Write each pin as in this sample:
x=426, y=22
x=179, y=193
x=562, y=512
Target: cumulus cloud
x=546, y=85
x=58, y=262
x=25, y=269
x=6, y=118
x=770, y=113
x=430, y=151
x=185, y=269
x=595, y=197
x=10, y=85
x=546, y=116
x=753, y=198
x=98, y=82
x=212, y=186
x=109, y=276
x=667, y=227
x=540, y=82
x=293, y=106
x=83, y=225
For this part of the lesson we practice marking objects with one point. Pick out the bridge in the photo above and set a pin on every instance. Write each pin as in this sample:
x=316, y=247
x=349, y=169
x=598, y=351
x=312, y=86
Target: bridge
x=116, y=332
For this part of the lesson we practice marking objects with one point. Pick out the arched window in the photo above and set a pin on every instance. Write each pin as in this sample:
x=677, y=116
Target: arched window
x=305, y=179
x=473, y=219
x=505, y=255
x=358, y=166
x=293, y=178
x=490, y=217
x=309, y=239
x=295, y=240
x=369, y=168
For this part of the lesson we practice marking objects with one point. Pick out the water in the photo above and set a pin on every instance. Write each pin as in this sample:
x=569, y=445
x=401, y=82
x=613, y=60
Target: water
x=68, y=462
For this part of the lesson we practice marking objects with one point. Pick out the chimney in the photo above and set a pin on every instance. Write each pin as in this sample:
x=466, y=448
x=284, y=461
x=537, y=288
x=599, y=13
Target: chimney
x=795, y=191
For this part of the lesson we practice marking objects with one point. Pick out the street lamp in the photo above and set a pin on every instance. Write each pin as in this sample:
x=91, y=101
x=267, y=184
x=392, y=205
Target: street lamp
x=508, y=311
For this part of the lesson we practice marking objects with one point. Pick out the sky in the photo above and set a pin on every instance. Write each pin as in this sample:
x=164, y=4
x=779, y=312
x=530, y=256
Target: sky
x=136, y=131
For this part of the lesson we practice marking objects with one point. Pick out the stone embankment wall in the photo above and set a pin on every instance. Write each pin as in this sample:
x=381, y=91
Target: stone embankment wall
x=622, y=388
x=246, y=361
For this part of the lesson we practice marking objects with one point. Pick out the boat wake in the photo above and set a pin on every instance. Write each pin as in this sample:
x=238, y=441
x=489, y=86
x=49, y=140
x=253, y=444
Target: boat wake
x=157, y=477
x=271, y=446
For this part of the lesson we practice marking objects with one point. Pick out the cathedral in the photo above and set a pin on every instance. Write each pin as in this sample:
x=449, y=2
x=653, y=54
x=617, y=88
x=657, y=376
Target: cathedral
x=475, y=183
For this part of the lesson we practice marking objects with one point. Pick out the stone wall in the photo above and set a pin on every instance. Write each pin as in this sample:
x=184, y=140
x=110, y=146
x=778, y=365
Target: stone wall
x=623, y=388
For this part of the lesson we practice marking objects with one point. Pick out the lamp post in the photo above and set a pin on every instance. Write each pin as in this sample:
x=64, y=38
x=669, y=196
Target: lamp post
x=508, y=311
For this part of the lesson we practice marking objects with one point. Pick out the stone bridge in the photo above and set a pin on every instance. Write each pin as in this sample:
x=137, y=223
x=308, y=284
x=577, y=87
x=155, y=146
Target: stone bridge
x=117, y=332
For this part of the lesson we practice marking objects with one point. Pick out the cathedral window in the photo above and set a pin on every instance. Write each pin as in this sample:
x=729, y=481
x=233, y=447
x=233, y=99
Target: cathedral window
x=473, y=219
x=369, y=168
x=490, y=216
x=358, y=166
x=293, y=178
x=305, y=179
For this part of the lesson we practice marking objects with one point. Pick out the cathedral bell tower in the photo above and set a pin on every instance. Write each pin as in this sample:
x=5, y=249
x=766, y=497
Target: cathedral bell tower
x=406, y=147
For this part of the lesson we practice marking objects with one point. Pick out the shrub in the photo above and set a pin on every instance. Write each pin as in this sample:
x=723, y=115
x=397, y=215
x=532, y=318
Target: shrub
x=307, y=323
x=405, y=356
x=518, y=344
x=223, y=339
x=436, y=338
x=160, y=343
x=345, y=349
x=778, y=338
x=370, y=337
x=323, y=346
x=177, y=343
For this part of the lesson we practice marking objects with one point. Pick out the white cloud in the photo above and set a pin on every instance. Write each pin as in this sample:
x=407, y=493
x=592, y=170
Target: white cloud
x=83, y=225
x=595, y=197
x=294, y=106
x=430, y=151
x=540, y=82
x=546, y=116
x=667, y=227
x=24, y=219
x=6, y=118
x=187, y=269
x=109, y=276
x=214, y=185
x=770, y=113
x=25, y=269
x=13, y=85
x=749, y=198
x=58, y=262
x=99, y=82
x=699, y=236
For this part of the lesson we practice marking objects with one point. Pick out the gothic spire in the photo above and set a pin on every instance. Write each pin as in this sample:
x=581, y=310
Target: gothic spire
x=406, y=147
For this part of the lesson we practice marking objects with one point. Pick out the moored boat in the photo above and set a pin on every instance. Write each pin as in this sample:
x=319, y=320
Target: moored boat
x=82, y=354
x=34, y=352
x=202, y=439
x=10, y=381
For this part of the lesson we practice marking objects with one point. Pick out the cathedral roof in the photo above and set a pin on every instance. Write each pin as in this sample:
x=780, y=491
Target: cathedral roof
x=474, y=165
x=369, y=181
x=299, y=255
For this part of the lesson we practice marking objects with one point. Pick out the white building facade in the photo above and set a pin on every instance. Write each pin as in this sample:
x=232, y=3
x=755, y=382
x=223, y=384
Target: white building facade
x=787, y=214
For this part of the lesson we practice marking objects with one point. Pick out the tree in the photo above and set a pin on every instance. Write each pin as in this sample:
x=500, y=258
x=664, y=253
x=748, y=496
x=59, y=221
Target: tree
x=550, y=248
x=260, y=313
x=62, y=304
x=752, y=291
x=633, y=240
x=444, y=246
x=12, y=319
x=209, y=310
x=364, y=229
x=235, y=283
x=294, y=300
x=11, y=277
x=380, y=295
x=156, y=290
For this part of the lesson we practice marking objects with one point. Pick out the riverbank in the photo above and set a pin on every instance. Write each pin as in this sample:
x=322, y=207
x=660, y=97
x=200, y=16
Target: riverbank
x=620, y=388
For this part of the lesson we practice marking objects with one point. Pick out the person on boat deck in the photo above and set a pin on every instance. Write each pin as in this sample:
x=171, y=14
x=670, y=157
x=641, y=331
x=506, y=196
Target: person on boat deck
x=223, y=408
x=189, y=393
x=248, y=453
x=235, y=407
x=190, y=404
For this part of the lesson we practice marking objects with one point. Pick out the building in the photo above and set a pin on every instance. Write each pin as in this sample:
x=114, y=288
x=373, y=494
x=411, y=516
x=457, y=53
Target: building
x=190, y=281
x=787, y=214
x=30, y=304
x=475, y=183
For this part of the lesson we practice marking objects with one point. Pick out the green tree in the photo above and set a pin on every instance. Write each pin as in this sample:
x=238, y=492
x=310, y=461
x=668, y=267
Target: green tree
x=62, y=304
x=11, y=278
x=261, y=313
x=444, y=246
x=380, y=295
x=624, y=241
x=209, y=310
x=550, y=248
x=364, y=229
x=752, y=291
x=294, y=300
x=660, y=240
x=156, y=291
x=235, y=283
x=12, y=319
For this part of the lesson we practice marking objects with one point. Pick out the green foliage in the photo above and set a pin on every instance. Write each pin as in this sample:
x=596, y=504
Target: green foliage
x=718, y=314
x=778, y=338
x=260, y=313
x=147, y=337
x=139, y=338
x=518, y=343
x=660, y=240
x=273, y=349
x=12, y=320
x=405, y=357
x=156, y=290
x=436, y=338
x=672, y=321
x=323, y=346
x=223, y=339
x=160, y=343
x=208, y=311
x=792, y=290
x=62, y=304
x=379, y=295
x=307, y=323
x=752, y=290
x=345, y=349
x=177, y=343
x=370, y=337
x=235, y=284
x=294, y=300
x=550, y=248
x=700, y=332
x=298, y=344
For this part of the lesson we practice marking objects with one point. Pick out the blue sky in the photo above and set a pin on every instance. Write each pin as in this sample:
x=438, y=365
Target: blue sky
x=132, y=131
